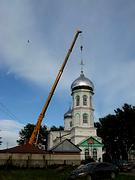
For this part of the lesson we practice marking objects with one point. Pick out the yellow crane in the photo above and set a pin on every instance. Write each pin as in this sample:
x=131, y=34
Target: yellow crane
x=35, y=132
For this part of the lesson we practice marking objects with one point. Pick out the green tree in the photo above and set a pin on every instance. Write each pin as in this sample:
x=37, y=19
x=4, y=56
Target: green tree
x=117, y=131
x=25, y=134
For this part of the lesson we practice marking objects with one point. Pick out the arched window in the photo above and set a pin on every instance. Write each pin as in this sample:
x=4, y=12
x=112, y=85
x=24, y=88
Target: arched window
x=86, y=153
x=85, y=118
x=77, y=119
x=90, y=101
x=70, y=123
x=95, y=154
x=84, y=100
x=77, y=100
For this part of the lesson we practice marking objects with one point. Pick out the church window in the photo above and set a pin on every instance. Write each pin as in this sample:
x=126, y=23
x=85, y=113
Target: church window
x=90, y=101
x=86, y=153
x=84, y=100
x=95, y=154
x=77, y=100
x=77, y=119
x=85, y=118
x=70, y=123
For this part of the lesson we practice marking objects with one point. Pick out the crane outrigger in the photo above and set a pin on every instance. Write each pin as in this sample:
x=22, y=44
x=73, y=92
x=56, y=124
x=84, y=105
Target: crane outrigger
x=35, y=132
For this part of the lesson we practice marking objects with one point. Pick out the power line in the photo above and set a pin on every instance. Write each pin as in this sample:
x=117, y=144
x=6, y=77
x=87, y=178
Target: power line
x=4, y=109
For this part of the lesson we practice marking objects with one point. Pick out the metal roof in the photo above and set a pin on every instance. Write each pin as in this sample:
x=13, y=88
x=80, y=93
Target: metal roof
x=82, y=82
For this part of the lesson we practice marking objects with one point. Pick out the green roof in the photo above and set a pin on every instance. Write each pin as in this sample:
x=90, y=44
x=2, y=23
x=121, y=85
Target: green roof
x=90, y=142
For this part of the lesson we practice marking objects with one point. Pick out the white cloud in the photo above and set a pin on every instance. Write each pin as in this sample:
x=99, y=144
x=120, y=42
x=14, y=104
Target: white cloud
x=108, y=44
x=32, y=60
x=9, y=131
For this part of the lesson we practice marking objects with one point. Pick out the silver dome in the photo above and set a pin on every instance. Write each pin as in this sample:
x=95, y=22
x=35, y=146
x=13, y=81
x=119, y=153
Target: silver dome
x=68, y=113
x=82, y=82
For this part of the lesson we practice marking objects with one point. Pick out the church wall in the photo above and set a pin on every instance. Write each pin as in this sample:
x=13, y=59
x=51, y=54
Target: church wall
x=38, y=160
x=80, y=93
x=79, y=110
x=84, y=132
x=99, y=153
x=67, y=123
x=50, y=140
x=82, y=114
x=55, y=137
x=77, y=139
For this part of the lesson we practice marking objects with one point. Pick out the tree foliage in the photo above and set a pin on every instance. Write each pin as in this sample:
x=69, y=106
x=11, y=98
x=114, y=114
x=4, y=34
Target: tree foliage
x=117, y=131
x=25, y=134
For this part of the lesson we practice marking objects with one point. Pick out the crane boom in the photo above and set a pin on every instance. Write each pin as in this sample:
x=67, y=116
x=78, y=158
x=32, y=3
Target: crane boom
x=42, y=114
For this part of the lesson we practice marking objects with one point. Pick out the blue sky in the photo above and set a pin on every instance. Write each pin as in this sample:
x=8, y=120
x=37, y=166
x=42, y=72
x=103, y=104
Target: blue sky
x=28, y=70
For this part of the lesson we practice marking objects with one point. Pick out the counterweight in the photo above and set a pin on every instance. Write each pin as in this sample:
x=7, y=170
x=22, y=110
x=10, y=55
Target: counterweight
x=42, y=114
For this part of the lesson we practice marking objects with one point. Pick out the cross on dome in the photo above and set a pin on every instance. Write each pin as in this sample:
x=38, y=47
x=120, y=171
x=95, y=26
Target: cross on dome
x=82, y=63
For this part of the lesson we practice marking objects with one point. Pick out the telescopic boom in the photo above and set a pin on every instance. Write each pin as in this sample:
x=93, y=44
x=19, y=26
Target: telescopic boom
x=42, y=114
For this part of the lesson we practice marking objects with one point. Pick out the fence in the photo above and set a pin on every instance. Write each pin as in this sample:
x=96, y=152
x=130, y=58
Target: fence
x=38, y=160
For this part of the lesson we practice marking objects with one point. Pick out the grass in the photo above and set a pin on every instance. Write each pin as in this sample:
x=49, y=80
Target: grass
x=35, y=174
x=44, y=174
x=125, y=177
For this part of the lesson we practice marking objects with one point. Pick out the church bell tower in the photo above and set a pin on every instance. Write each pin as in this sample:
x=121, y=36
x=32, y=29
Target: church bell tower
x=80, y=118
x=82, y=112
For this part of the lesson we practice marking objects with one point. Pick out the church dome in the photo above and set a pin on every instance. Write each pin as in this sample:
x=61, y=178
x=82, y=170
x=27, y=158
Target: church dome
x=82, y=83
x=68, y=113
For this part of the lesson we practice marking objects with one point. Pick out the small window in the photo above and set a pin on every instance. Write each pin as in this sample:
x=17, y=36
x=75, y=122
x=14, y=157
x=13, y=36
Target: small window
x=77, y=100
x=85, y=100
x=95, y=154
x=85, y=118
x=90, y=101
x=70, y=123
x=86, y=153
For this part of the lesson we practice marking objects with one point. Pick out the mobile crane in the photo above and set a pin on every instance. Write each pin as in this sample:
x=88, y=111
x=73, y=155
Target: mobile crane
x=35, y=132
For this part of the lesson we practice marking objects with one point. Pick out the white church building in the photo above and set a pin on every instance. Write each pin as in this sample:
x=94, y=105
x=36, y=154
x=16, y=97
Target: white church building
x=79, y=121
